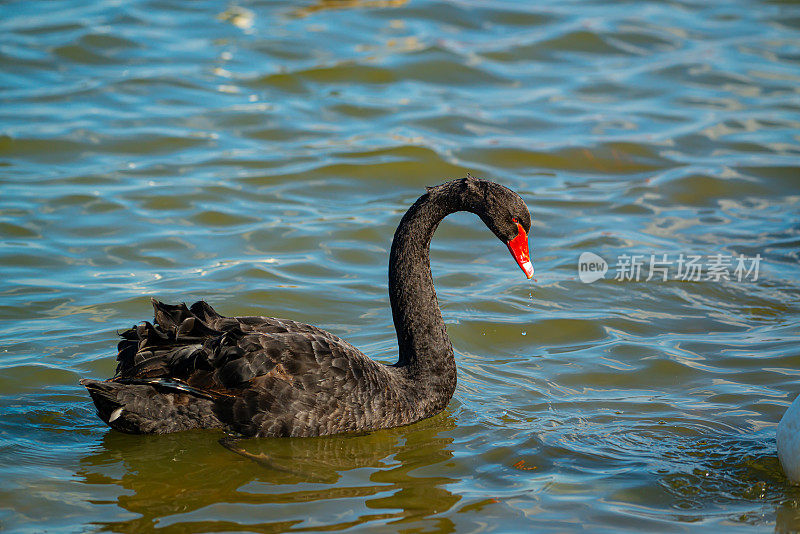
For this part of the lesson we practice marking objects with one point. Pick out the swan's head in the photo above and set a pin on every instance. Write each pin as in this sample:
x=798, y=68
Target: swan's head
x=508, y=217
x=505, y=213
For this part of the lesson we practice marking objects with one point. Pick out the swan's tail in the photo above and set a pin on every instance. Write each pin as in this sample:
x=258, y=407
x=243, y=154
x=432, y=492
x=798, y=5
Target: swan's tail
x=150, y=408
x=106, y=397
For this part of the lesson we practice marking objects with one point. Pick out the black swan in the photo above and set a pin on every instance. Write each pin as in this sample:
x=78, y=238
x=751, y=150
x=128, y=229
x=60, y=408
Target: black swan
x=262, y=376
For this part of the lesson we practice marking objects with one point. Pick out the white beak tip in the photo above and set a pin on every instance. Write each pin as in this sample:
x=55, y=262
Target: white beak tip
x=528, y=268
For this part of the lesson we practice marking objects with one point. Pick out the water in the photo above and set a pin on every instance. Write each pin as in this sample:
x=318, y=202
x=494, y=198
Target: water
x=260, y=154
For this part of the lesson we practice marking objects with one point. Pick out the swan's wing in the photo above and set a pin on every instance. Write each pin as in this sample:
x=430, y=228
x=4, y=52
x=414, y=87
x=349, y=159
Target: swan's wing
x=298, y=384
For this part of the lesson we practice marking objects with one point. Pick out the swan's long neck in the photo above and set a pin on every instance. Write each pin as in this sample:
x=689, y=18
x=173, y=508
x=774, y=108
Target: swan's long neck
x=425, y=348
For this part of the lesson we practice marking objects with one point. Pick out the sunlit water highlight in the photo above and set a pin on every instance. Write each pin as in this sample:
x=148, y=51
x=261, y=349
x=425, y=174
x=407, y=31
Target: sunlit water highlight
x=259, y=155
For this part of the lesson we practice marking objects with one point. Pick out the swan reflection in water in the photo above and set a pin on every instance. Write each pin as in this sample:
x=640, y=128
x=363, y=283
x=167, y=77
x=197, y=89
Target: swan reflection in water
x=339, y=481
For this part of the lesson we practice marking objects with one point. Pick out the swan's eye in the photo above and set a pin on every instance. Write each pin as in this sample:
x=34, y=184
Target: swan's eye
x=514, y=219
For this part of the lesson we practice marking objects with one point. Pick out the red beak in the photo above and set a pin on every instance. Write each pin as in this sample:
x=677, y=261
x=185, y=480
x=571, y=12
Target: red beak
x=519, y=249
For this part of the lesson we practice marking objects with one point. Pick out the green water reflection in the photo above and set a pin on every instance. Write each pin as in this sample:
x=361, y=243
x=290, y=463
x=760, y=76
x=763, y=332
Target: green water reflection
x=341, y=481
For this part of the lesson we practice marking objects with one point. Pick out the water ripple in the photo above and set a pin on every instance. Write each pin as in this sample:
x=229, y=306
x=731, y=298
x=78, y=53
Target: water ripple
x=260, y=155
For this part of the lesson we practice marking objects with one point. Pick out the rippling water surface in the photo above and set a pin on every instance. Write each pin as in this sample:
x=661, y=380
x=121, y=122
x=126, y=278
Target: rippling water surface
x=260, y=154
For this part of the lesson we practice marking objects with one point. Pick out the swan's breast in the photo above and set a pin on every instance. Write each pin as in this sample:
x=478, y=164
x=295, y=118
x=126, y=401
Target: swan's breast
x=789, y=441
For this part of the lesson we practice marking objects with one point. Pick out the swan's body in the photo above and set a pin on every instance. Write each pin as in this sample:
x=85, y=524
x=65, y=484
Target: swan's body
x=262, y=376
x=788, y=437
